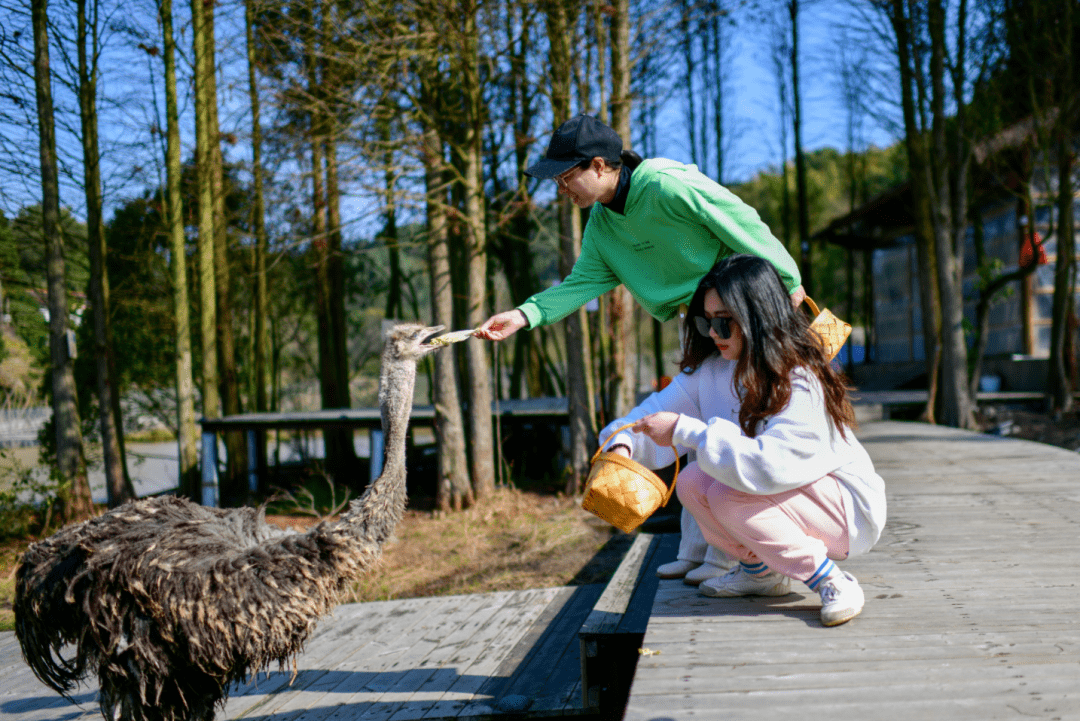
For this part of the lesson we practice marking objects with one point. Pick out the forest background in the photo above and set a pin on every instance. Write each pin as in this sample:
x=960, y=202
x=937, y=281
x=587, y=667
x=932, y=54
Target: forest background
x=220, y=203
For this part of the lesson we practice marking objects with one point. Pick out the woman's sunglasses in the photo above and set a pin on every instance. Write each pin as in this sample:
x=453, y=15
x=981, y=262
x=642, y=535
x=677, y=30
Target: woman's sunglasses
x=722, y=326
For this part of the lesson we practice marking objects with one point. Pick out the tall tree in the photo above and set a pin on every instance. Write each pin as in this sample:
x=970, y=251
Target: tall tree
x=470, y=152
x=951, y=160
x=453, y=488
x=75, y=501
x=187, y=434
x=258, y=213
x=912, y=86
x=233, y=486
x=1063, y=319
x=581, y=405
x=803, y=207
x=204, y=140
x=325, y=245
x=117, y=483
x=939, y=159
x=624, y=348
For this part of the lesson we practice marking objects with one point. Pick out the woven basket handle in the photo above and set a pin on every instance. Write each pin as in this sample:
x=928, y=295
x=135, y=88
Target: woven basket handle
x=671, y=488
x=813, y=306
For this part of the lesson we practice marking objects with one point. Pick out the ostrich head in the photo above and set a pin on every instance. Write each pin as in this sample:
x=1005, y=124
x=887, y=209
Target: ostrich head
x=411, y=341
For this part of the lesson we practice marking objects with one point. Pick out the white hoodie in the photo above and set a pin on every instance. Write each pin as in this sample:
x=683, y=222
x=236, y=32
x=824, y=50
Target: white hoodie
x=797, y=446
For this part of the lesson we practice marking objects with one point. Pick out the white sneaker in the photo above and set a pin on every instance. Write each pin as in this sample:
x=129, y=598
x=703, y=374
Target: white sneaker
x=676, y=569
x=842, y=599
x=703, y=573
x=738, y=582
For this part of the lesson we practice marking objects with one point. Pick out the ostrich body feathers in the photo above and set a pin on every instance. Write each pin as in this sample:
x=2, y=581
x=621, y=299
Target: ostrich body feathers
x=169, y=602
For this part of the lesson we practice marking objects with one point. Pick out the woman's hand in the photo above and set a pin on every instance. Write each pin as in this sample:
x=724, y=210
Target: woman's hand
x=798, y=296
x=659, y=427
x=502, y=325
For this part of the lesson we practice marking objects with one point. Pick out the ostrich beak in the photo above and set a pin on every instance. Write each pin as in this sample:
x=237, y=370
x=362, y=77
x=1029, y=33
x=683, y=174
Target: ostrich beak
x=436, y=331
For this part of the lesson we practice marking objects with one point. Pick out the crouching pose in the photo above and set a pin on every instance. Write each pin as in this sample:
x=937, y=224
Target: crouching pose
x=780, y=482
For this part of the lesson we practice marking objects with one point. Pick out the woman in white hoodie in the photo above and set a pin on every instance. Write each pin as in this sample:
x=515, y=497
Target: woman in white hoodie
x=780, y=482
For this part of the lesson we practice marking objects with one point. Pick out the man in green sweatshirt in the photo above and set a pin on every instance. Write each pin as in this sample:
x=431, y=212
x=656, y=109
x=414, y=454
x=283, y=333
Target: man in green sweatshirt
x=656, y=226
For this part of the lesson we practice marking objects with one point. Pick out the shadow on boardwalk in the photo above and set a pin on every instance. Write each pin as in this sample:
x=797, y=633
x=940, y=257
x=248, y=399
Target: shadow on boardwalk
x=433, y=658
x=970, y=613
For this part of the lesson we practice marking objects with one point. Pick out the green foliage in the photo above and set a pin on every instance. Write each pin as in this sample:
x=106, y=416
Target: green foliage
x=318, y=497
x=829, y=185
x=27, y=499
x=140, y=299
x=23, y=274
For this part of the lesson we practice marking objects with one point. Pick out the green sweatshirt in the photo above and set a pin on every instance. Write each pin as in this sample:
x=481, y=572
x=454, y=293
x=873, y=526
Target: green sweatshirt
x=677, y=224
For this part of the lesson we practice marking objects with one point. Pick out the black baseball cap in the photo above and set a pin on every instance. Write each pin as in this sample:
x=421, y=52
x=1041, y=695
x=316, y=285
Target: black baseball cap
x=580, y=138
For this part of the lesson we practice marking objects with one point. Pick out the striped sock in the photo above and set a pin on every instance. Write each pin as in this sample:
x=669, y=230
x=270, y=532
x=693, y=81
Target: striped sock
x=754, y=569
x=826, y=569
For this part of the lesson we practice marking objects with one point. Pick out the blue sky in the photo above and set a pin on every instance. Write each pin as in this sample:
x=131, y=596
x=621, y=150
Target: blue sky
x=134, y=100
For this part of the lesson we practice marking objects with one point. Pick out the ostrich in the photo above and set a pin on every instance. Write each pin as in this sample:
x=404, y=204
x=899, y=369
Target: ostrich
x=169, y=602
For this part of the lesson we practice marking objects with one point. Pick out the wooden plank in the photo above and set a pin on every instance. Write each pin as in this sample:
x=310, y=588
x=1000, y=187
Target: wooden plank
x=357, y=698
x=970, y=612
x=483, y=653
x=409, y=671
x=552, y=668
x=665, y=547
x=8, y=643
x=364, y=630
x=546, y=665
x=609, y=609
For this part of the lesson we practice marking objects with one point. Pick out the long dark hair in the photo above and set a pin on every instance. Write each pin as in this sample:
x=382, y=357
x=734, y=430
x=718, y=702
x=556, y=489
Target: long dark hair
x=776, y=340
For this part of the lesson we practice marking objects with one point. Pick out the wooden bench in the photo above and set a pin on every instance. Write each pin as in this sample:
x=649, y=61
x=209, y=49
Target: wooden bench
x=611, y=636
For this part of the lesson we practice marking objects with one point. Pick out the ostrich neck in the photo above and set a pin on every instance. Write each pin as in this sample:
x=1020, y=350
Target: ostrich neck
x=375, y=514
x=396, y=383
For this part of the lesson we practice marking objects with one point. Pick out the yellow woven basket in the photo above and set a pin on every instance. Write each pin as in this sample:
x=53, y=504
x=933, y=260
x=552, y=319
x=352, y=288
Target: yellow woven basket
x=622, y=491
x=832, y=331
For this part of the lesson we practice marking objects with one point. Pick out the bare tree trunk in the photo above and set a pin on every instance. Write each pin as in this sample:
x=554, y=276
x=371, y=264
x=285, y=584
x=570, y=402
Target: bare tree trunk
x=260, y=311
x=262, y=340
x=517, y=258
x=1062, y=329
x=780, y=53
x=921, y=210
x=335, y=263
x=233, y=487
x=480, y=397
x=715, y=25
x=957, y=408
x=74, y=498
x=805, y=243
x=1059, y=384
x=579, y=396
x=390, y=231
x=117, y=483
x=624, y=348
x=204, y=172
x=453, y=490
x=687, y=30
x=187, y=434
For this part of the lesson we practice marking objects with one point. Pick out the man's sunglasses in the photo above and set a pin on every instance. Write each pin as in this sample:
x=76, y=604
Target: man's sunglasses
x=722, y=326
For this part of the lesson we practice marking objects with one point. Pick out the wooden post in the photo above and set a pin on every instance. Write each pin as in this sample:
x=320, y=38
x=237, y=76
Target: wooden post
x=209, y=469
x=253, y=460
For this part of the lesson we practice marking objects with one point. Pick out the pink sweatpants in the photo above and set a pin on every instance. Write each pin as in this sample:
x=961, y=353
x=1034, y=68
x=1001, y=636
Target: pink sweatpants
x=791, y=532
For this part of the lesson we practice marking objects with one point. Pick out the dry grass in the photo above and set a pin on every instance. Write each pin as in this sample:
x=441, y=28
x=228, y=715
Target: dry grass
x=514, y=540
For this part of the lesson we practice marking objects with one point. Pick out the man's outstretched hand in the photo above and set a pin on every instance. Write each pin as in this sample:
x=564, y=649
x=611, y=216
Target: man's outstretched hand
x=502, y=325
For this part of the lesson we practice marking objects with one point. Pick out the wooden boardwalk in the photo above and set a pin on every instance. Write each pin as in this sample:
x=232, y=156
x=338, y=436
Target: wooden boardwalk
x=971, y=614
x=972, y=603
x=424, y=658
